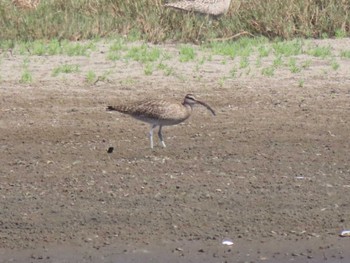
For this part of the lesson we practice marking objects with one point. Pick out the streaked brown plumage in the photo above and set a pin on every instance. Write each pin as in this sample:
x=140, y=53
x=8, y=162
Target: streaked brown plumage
x=160, y=112
x=210, y=7
x=26, y=4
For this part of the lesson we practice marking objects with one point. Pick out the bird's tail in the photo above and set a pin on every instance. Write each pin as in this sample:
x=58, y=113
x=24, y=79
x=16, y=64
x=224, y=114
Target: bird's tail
x=120, y=108
x=110, y=108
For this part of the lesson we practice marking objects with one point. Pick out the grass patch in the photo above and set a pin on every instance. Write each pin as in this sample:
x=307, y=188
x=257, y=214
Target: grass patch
x=166, y=69
x=243, y=47
x=26, y=76
x=335, y=65
x=301, y=83
x=244, y=62
x=268, y=71
x=143, y=54
x=148, y=69
x=54, y=47
x=66, y=68
x=320, y=51
x=278, y=61
x=264, y=51
x=187, y=53
x=293, y=67
x=288, y=48
x=150, y=21
x=91, y=77
x=345, y=53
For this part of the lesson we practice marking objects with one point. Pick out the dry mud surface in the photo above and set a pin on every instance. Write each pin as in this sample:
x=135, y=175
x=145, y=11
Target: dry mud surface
x=271, y=171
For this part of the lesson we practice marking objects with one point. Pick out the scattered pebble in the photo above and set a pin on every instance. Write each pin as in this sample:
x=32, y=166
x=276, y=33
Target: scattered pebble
x=110, y=150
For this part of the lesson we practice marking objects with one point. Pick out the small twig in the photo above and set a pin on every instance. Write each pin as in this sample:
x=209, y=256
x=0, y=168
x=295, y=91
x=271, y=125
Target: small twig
x=97, y=80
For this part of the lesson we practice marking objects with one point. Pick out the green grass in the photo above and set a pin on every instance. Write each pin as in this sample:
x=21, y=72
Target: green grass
x=301, y=83
x=278, y=61
x=340, y=33
x=148, y=69
x=264, y=50
x=345, y=53
x=143, y=54
x=233, y=72
x=268, y=71
x=187, y=53
x=91, y=77
x=293, y=67
x=26, y=76
x=65, y=68
x=243, y=47
x=150, y=21
x=166, y=69
x=54, y=47
x=288, y=48
x=320, y=51
x=334, y=64
x=244, y=62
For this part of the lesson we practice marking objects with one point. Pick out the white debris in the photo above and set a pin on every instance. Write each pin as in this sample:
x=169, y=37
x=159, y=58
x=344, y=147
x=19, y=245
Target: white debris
x=345, y=233
x=227, y=242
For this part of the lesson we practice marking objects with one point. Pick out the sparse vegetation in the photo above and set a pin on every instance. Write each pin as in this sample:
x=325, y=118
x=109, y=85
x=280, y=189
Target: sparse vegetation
x=293, y=67
x=150, y=21
x=345, y=54
x=334, y=64
x=268, y=71
x=244, y=62
x=54, y=47
x=278, y=61
x=148, y=69
x=66, y=68
x=143, y=54
x=26, y=76
x=187, y=53
x=91, y=77
x=288, y=48
x=320, y=51
x=301, y=83
x=306, y=64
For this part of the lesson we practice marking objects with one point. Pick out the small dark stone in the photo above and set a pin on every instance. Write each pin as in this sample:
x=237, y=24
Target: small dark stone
x=110, y=150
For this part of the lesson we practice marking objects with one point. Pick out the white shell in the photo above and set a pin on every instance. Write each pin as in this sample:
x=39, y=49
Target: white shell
x=345, y=233
x=227, y=242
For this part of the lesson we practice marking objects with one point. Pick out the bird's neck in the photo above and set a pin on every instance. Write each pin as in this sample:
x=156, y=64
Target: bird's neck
x=187, y=106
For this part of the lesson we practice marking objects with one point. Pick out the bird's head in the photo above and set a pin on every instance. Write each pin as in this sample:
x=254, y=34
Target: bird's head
x=191, y=101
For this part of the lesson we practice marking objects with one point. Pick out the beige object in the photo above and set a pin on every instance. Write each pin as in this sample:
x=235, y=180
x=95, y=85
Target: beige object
x=160, y=112
x=26, y=4
x=210, y=7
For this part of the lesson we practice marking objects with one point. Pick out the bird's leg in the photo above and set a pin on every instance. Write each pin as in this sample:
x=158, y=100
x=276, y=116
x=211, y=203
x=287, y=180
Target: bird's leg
x=160, y=135
x=151, y=135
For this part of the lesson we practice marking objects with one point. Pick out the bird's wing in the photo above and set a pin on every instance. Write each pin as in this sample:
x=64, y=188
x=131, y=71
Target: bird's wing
x=159, y=110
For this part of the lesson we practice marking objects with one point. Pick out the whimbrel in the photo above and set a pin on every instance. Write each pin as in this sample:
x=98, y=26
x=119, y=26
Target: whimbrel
x=160, y=112
x=210, y=7
x=26, y=4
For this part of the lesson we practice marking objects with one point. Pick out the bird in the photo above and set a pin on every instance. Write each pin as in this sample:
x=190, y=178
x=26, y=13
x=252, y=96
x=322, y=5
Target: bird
x=210, y=7
x=160, y=113
x=26, y=4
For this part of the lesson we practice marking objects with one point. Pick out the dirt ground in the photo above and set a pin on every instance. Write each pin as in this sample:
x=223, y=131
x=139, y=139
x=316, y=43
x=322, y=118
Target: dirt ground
x=271, y=171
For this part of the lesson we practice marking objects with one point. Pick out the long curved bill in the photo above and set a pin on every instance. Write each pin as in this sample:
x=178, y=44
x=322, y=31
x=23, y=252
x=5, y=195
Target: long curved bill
x=207, y=106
